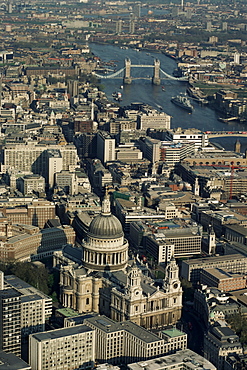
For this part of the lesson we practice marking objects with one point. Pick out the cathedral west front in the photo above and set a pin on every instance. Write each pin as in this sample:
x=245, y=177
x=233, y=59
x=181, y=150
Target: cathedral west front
x=99, y=277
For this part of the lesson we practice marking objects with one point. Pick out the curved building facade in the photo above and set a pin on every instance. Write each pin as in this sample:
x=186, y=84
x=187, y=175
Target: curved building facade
x=105, y=247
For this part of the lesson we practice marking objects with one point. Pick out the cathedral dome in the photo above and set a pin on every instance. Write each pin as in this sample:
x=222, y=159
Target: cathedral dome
x=105, y=246
x=105, y=226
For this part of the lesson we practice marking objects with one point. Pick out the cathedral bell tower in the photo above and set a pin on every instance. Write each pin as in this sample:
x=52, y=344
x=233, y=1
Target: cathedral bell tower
x=134, y=282
x=172, y=282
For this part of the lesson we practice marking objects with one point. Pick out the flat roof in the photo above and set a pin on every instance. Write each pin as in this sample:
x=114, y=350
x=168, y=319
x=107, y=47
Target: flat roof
x=188, y=357
x=172, y=333
x=205, y=260
x=109, y=326
x=67, y=312
x=60, y=333
x=10, y=361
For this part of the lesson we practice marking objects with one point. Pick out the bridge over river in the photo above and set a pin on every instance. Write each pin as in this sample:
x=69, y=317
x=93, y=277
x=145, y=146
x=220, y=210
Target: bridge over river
x=125, y=73
x=212, y=134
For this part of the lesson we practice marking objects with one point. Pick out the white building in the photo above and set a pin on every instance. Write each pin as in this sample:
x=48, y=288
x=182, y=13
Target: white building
x=154, y=120
x=55, y=164
x=66, y=348
x=105, y=147
x=179, y=135
x=180, y=360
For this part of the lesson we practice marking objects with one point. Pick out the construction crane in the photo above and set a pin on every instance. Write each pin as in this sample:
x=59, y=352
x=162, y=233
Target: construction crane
x=232, y=167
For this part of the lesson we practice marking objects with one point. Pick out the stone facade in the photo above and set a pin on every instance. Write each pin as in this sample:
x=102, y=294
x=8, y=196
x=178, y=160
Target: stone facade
x=97, y=277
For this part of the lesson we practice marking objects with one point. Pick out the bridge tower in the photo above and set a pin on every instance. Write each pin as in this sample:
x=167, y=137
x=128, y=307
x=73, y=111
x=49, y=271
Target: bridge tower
x=156, y=75
x=127, y=77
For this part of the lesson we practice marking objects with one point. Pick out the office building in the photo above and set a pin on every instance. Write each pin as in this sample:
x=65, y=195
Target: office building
x=223, y=280
x=179, y=135
x=190, y=269
x=25, y=290
x=66, y=348
x=219, y=342
x=11, y=361
x=10, y=321
x=181, y=360
x=54, y=165
x=35, y=213
x=30, y=184
x=105, y=147
x=185, y=242
x=33, y=157
x=153, y=120
x=67, y=181
x=121, y=342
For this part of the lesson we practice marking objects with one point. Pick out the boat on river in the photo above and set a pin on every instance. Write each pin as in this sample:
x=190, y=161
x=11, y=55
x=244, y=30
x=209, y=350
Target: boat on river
x=183, y=102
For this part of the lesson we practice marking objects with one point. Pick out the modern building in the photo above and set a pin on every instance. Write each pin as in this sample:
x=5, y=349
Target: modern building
x=105, y=147
x=121, y=342
x=33, y=157
x=185, y=242
x=10, y=321
x=181, y=360
x=54, y=165
x=66, y=348
x=11, y=361
x=25, y=290
x=179, y=135
x=190, y=269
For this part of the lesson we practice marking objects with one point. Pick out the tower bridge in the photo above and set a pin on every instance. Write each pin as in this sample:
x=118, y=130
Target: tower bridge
x=125, y=73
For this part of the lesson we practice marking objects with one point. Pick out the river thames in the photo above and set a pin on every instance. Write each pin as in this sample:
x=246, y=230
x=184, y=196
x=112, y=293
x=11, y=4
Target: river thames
x=142, y=90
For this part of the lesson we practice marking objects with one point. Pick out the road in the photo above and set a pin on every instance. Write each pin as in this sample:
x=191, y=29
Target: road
x=195, y=332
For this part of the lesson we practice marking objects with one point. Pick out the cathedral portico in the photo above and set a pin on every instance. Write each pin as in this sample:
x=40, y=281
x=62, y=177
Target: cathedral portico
x=100, y=278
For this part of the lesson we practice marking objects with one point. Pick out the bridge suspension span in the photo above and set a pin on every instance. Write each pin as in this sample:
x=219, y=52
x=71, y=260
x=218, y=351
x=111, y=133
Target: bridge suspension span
x=125, y=73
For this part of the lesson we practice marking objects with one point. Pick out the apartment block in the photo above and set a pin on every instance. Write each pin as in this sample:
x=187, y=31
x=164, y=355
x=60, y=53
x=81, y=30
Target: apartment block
x=66, y=348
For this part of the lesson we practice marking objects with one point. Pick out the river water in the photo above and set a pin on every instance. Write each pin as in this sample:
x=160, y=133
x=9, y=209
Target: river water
x=142, y=90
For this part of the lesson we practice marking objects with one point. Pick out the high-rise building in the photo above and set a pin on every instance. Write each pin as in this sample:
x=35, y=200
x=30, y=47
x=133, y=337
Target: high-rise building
x=55, y=164
x=224, y=26
x=209, y=26
x=137, y=9
x=10, y=321
x=119, y=26
x=132, y=24
x=73, y=88
x=236, y=58
x=105, y=147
